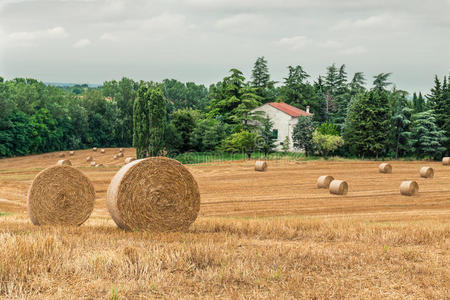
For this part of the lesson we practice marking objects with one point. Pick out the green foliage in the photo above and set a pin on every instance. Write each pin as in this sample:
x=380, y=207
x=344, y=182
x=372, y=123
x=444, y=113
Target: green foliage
x=286, y=144
x=243, y=141
x=381, y=81
x=183, y=122
x=303, y=135
x=328, y=128
x=187, y=95
x=157, y=121
x=208, y=134
x=266, y=140
x=426, y=138
x=141, y=123
x=327, y=143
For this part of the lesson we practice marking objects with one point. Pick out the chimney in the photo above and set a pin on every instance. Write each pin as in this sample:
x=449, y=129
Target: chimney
x=307, y=109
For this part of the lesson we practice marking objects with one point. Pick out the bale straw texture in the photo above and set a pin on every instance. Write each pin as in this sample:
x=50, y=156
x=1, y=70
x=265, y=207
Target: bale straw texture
x=426, y=172
x=129, y=159
x=338, y=187
x=64, y=162
x=446, y=161
x=323, y=182
x=154, y=194
x=60, y=195
x=260, y=166
x=94, y=149
x=93, y=164
x=115, y=156
x=102, y=151
x=89, y=158
x=385, y=168
x=120, y=154
x=409, y=188
x=71, y=153
x=121, y=150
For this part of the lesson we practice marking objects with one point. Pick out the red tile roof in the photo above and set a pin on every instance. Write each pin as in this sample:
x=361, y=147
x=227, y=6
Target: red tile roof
x=289, y=109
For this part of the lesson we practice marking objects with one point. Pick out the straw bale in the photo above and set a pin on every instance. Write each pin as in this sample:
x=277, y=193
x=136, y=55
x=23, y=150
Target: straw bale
x=72, y=153
x=409, y=188
x=446, y=161
x=89, y=158
x=426, y=172
x=64, y=162
x=129, y=159
x=323, y=182
x=121, y=150
x=120, y=154
x=94, y=149
x=93, y=163
x=154, y=194
x=338, y=187
x=385, y=168
x=102, y=151
x=260, y=166
x=60, y=195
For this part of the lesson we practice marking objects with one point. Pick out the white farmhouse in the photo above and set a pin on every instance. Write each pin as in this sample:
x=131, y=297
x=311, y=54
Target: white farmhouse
x=284, y=118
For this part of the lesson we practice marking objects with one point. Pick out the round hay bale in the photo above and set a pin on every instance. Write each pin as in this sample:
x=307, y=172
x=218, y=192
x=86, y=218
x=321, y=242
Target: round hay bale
x=426, y=172
x=260, y=166
x=93, y=164
x=129, y=159
x=385, y=168
x=60, y=195
x=338, y=187
x=121, y=150
x=323, y=182
x=115, y=156
x=64, y=162
x=120, y=154
x=94, y=149
x=446, y=161
x=409, y=188
x=99, y=165
x=155, y=194
x=102, y=151
x=71, y=153
x=89, y=158
x=61, y=154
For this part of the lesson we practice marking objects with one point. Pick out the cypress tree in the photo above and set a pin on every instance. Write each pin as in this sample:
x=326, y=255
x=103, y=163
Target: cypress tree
x=157, y=121
x=141, y=122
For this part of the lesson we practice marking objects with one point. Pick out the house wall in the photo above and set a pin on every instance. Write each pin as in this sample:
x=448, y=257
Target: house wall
x=283, y=122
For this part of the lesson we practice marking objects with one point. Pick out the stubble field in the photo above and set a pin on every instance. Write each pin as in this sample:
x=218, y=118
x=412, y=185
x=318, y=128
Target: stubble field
x=258, y=235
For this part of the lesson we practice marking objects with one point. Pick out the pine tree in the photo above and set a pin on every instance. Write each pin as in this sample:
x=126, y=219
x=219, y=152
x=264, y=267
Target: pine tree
x=157, y=121
x=141, y=123
x=426, y=138
x=401, y=124
x=303, y=134
x=357, y=83
x=261, y=79
x=266, y=140
x=381, y=81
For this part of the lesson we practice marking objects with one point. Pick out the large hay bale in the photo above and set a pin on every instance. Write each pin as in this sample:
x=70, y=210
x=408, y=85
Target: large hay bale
x=102, y=151
x=446, y=161
x=323, y=182
x=129, y=159
x=426, y=172
x=64, y=162
x=93, y=164
x=89, y=158
x=155, y=194
x=260, y=166
x=385, y=168
x=120, y=154
x=61, y=154
x=338, y=187
x=71, y=153
x=94, y=149
x=60, y=195
x=409, y=188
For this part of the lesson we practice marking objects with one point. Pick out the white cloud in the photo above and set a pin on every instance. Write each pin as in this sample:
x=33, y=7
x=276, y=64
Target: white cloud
x=295, y=42
x=82, y=43
x=353, y=50
x=52, y=33
x=109, y=37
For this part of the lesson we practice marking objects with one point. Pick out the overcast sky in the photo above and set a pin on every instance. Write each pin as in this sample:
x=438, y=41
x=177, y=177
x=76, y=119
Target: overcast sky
x=200, y=40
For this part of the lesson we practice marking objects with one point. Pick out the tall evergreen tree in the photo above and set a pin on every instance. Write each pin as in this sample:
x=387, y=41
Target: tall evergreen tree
x=266, y=140
x=157, y=121
x=261, y=79
x=303, y=135
x=381, y=81
x=401, y=123
x=427, y=139
x=141, y=122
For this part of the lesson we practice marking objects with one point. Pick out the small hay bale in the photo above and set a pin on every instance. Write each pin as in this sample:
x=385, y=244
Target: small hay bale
x=446, y=161
x=115, y=156
x=64, y=162
x=120, y=154
x=89, y=158
x=129, y=159
x=61, y=154
x=60, y=195
x=71, y=153
x=426, y=172
x=323, y=182
x=260, y=166
x=93, y=164
x=154, y=194
x=94, y=149
x=102, y=151
x=409, y=188
x=99, y=165
x=385, y=168
x=121, y=150
x=338, y=187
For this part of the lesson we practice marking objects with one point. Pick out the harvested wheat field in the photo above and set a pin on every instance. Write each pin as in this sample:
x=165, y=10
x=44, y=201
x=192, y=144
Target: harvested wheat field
x=270, y=234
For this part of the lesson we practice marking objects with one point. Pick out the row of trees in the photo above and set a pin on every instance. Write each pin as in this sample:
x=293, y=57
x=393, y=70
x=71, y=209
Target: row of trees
x=175, y=117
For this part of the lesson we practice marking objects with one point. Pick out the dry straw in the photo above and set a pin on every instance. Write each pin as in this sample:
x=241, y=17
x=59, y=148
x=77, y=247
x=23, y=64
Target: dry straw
x=60, y=195
x=446, y=161
x=323, y=182
x=120, y=154
x=154, y=194
x=115, y=156
x=71, y=153
x=426, y=172
x=121, y=150
x=89, y=158
x=93, y=164
x=338, y=187
x=102, y=151
x=385, y=168
x=94, y=149
x=409, y=188
x=99, y=165
x=61, y=154
x=260, y=166
x=129, y=159
x=64, y=162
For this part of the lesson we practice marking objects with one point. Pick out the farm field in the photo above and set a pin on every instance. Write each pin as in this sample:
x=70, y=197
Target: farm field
x=258, y=235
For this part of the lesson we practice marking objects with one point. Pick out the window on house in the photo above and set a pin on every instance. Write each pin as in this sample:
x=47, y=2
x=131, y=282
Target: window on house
x=275, y=133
